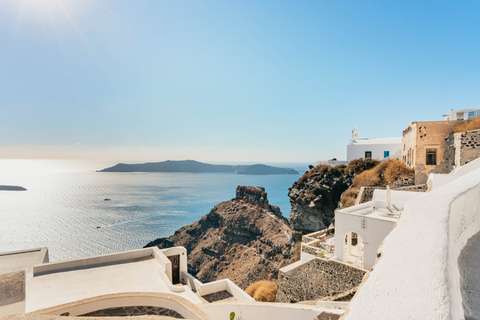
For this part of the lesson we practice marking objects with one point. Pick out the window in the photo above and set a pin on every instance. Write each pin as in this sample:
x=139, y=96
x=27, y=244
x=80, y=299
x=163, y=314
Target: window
x=368, y=154
x=471, y=114
x=460, y=115
x=386, y=154
x=431, y=157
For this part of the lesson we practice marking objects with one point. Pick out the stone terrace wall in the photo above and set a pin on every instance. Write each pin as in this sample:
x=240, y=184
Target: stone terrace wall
x=316, y=279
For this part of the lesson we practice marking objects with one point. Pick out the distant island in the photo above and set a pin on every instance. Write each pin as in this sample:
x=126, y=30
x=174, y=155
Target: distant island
x=12, y=188
x=195, y=166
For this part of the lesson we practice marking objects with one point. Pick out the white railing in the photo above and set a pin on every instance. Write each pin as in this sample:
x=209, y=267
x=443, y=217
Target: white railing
x=216, y=286
x=92, y=261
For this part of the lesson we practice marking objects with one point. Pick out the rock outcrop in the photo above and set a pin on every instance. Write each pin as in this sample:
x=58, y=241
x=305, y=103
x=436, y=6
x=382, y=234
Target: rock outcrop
x=245, y=239
x=315, y=196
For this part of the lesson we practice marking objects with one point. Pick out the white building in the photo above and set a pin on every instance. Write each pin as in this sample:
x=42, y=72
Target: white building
x=142, y=282
x=465, y=114
x=378, y=148
x=361, y=229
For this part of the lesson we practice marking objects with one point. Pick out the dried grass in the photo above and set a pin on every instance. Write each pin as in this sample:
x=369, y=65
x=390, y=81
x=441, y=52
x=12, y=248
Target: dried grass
x=360, y=165
x=396, y=169
x=264, y=290
x=472, y=124
x=382, y=174
x=349, y=197
x=318, y=169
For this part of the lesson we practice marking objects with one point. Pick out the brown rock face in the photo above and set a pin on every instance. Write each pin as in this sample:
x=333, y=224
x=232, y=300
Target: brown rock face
x=314, y=198
x=244, y=239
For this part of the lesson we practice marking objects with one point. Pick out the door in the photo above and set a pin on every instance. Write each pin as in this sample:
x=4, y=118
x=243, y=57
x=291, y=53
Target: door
x=175, y=260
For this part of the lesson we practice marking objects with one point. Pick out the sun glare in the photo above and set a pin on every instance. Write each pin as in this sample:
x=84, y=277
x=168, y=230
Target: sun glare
x=46, y=11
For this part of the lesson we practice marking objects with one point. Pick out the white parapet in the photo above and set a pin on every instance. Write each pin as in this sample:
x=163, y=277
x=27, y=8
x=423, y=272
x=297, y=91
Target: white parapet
x=418, y=275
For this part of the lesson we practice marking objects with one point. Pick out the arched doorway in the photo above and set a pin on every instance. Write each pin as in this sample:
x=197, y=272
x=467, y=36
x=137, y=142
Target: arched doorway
x=353, y=249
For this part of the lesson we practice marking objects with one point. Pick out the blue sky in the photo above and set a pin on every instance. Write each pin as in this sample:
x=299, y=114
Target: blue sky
x=227, y=80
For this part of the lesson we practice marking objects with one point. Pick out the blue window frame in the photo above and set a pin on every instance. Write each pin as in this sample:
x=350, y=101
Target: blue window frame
x=386, y=154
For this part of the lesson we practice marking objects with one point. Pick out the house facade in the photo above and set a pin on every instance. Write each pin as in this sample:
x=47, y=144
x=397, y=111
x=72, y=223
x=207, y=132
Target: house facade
x=377, y=148
x=424, y=148
x=465, y=114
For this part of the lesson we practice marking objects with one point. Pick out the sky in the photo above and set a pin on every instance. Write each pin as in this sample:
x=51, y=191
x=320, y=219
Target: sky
x=259, y=81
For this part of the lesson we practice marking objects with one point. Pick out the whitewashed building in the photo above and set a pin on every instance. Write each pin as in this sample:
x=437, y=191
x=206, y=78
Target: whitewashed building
x=465, y=114
x=361, y=229
x=377, y=148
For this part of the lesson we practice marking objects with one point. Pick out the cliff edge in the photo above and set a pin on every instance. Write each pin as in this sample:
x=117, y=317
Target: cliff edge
x=315, y=196
x=244, y=239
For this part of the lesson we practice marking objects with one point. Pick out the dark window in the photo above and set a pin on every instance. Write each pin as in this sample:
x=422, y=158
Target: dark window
x=386, y=154
x=431, y=157
x=368, y=154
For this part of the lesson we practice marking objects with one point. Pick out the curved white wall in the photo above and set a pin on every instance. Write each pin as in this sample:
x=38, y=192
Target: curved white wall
x=268, y=311
x=418, y=276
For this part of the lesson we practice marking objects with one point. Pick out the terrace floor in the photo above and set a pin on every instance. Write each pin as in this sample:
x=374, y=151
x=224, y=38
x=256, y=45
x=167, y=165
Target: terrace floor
x=59, y=287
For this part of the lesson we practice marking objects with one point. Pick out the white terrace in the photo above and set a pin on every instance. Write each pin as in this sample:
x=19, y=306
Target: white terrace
x=129, y=281
x=359, y=230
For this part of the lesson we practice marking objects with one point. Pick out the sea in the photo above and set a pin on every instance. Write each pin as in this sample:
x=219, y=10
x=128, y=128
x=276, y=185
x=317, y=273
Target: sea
x=77, y=212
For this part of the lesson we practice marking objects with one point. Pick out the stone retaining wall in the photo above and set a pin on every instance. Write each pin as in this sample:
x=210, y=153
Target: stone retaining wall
x=12, y=288
x=316, y=279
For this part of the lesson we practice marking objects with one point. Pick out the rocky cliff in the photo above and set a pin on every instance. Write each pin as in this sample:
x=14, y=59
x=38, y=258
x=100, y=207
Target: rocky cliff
x=315, y=196
x=245, y=239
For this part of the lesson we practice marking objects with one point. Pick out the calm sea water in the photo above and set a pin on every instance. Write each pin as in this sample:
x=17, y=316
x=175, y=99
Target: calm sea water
x=64, y=207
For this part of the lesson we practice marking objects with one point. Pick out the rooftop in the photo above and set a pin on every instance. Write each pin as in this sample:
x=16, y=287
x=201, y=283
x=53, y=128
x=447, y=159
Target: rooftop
x=378, y=141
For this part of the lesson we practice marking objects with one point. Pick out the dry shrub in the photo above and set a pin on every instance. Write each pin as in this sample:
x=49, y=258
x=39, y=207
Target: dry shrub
x=360, y=165
x=264, y=290
x=382, y=174
x=318, y=169
x=371, y=178
x=396, y=169
x=472, y=124
x=349, y=197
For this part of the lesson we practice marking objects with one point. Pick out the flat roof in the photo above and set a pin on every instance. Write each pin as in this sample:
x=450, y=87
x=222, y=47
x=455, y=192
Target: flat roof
x=21, y=260
x=63, y=286
x=396, y=140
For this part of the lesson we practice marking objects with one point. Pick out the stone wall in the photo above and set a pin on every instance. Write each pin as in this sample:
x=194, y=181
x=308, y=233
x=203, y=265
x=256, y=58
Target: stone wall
x=418, y=138
x=316, y=279
x=467, y=147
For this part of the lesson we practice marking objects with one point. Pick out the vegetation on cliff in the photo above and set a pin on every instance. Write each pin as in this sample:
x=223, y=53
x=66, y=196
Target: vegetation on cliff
x=382, y=174
x=322, y=189
x=244, y=239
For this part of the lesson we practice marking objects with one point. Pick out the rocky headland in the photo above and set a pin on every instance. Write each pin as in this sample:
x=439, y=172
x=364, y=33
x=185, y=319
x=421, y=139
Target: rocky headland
x=195, y=166
x=245, y=239
x=315, y=196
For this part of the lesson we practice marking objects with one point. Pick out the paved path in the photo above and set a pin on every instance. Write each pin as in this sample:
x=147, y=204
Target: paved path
x=469, y=265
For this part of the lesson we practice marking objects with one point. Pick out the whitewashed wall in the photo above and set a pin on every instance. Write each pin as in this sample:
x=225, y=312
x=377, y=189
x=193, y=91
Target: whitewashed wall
x=418, y=276
x=355, y=151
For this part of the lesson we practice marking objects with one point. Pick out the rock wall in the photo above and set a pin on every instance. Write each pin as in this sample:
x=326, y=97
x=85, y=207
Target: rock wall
x=314, y=198
x=253, y=195
x=317, y=279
